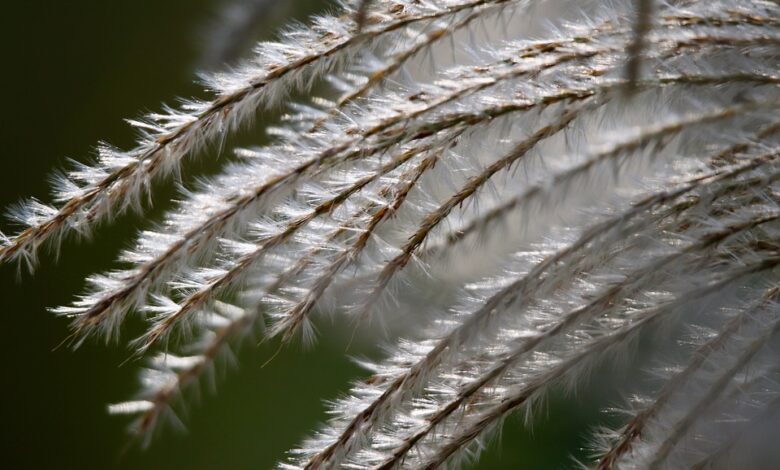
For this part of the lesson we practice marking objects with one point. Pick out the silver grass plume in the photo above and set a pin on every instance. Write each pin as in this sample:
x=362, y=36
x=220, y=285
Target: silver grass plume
x=514, y=191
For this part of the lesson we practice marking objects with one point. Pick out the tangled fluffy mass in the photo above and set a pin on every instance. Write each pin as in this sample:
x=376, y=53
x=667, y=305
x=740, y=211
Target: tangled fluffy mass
x=511, y=192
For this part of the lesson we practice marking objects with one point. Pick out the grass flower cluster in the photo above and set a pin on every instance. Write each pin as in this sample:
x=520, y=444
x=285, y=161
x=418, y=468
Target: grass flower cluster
x=510, y=192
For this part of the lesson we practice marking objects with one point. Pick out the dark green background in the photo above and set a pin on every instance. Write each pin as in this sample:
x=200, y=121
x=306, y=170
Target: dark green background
x=72, y=71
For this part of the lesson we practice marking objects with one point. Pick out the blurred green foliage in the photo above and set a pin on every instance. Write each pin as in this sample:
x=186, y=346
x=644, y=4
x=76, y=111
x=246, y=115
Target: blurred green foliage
x=73, y=70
